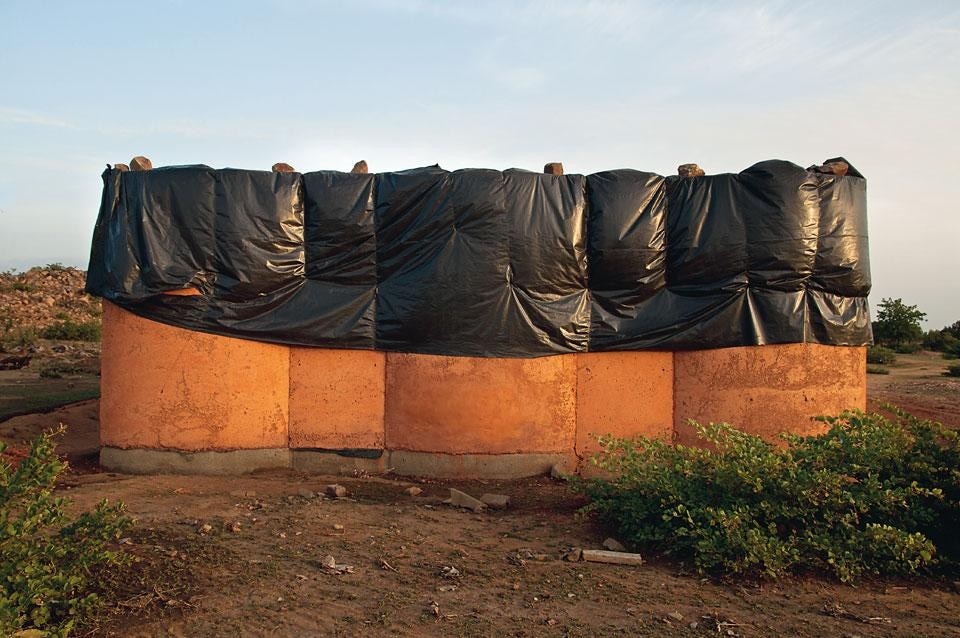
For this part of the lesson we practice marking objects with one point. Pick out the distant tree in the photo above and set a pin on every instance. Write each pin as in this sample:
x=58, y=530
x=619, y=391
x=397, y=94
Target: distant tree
x=953, y=329
x=897, y=324
x=939, y=340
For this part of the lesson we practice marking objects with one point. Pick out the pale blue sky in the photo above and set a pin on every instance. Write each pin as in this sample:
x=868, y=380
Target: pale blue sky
x=594, y=84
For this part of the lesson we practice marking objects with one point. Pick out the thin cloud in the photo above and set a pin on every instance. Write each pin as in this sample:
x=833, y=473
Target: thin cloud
x=19, y=116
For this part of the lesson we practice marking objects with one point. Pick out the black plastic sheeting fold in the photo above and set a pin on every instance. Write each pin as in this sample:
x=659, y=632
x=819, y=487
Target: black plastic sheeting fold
x=491, y=263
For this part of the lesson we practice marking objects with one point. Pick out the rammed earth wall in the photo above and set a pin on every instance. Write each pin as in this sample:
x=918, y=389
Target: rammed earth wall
x=177, y=400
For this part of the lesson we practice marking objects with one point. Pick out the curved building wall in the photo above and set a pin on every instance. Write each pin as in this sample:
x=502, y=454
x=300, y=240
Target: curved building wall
x=177, y=400
x=170, y=388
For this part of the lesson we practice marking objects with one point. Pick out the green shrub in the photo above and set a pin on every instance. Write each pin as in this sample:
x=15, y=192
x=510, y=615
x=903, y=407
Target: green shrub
x=871, y=369
x=23, y=286
x=871, y=495
x=880, y=355
x=953, y=329
x=60, y=369
x=953, y=370
x=73, y=331
x=908, y=347
x=939, y=340
x=46, y=556
x=952, y=351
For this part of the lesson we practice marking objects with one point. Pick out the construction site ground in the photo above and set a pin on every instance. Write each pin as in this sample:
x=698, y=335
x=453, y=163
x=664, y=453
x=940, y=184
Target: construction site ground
x=247, y=556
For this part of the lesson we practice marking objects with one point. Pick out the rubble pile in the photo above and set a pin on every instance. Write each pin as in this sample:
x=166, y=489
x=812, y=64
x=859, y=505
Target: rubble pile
x=45, y=295
x=48, y=324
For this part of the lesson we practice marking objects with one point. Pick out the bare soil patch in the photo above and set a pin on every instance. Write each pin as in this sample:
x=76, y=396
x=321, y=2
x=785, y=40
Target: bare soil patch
x=259, y=571
x=917, y=384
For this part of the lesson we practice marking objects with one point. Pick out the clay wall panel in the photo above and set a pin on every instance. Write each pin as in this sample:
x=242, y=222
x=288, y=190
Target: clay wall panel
x=459, y=405
x=623, y=394
x=166, y=387
x=766, y=390
x=336, y=398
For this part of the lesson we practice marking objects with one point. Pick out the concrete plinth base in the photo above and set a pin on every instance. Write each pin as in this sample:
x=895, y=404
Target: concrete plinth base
x=330, y=462
x=142, y=461
x=404, y=463
x=491, y=466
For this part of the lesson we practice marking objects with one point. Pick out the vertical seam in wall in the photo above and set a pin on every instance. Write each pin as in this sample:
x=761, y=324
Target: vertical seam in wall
x=384, y=399
x=862, y=370
x=576, y=404
x=289, y=394
x=674, y=433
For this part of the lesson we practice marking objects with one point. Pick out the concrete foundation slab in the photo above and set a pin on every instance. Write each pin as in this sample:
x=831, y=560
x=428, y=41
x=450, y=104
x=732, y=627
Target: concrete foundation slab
x=141, y=461
x=492, y=466
x=324, y=462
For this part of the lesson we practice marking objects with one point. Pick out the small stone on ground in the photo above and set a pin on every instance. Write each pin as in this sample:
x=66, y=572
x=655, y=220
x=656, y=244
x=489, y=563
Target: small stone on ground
x=496, y=501
x=336, y=491
x=573, y=555
x=614, y=545
x=462, y=499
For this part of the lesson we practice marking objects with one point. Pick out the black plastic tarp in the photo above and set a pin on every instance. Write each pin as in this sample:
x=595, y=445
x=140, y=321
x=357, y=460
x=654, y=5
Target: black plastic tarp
x=491, y=263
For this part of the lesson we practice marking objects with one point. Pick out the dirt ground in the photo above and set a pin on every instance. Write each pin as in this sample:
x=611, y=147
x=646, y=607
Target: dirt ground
x=916, y=384
x=258, y=570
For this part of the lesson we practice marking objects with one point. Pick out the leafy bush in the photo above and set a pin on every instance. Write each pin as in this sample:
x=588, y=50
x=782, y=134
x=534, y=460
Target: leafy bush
x=952, y=351
x=907, y=347
x=880, y=355
x=46, y=556
x=871, y=369
x=73, y=331
x=871, y=495
x=60, y=369
x=953, y=370
x=954, y=329
x=939, y=340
